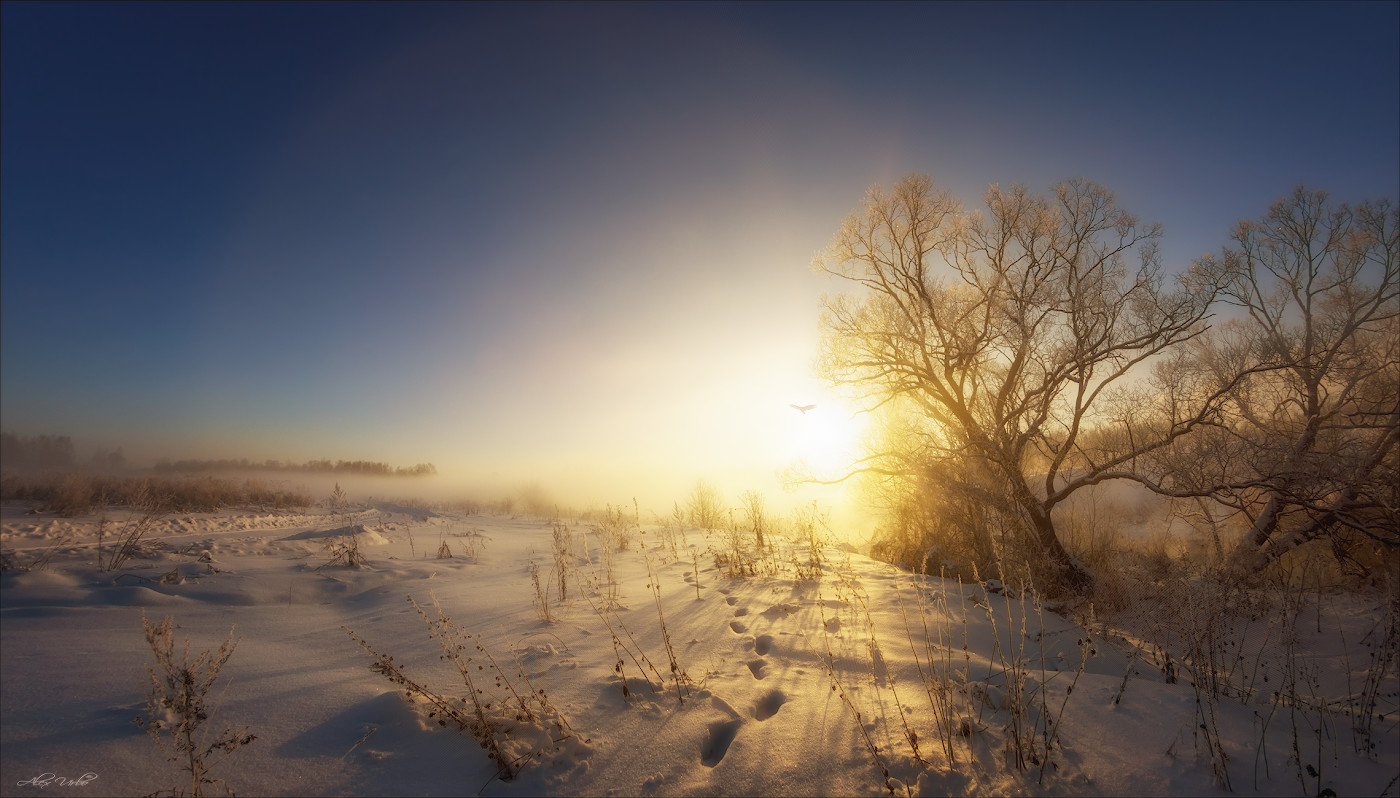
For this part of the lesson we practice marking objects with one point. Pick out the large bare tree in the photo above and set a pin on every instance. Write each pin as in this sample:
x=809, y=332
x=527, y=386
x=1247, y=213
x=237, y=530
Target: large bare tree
x=1310, y=448
x=1014, y=333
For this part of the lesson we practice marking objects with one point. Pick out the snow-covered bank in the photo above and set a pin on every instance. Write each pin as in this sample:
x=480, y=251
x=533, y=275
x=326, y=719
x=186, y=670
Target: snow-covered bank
x=772, y=670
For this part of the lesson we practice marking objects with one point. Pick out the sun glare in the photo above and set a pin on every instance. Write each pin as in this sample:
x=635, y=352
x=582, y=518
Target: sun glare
x=824, y=435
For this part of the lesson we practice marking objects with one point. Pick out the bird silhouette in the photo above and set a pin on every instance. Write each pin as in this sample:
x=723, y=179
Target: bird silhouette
x=803, y=408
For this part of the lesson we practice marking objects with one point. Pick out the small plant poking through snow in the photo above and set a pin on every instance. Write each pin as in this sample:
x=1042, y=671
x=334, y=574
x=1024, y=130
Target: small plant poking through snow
x=610, y=539
x=541, y=594
x=628, y=649
x=563, y=550
x=678, y=674
x=833, y=675
x=149, y=505
x=807, y=523
x=179, y=707
x=338, y=500
x=511, y=726
x=345, y=551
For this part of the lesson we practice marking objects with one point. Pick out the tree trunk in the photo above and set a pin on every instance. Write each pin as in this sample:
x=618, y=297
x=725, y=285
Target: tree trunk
x=1258, y=549
x=1249, y=554
x=1069, y=575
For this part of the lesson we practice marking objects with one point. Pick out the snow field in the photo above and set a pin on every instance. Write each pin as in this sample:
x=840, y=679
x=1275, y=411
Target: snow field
x=999, y=695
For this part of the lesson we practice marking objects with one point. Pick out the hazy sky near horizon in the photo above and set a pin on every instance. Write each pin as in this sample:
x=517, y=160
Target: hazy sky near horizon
x=571, y=243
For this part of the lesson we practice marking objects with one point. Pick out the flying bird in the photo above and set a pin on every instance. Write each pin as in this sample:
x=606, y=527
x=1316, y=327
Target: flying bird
x=803, y=408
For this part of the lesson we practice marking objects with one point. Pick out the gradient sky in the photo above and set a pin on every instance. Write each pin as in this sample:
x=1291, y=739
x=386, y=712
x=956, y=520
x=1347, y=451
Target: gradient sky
x=571, y=243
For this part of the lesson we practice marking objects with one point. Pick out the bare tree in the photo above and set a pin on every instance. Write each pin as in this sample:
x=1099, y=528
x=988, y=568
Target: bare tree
x=1013, y=334
x=1308, y=449
x=703, y=507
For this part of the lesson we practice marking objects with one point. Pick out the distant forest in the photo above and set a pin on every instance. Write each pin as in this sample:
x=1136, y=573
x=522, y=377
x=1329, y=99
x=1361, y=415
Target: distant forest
x=37, y=452
x=360, y=467
x=57, y=452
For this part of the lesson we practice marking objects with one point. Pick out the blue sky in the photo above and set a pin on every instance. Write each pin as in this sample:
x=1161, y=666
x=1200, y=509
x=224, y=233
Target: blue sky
x=571, y=242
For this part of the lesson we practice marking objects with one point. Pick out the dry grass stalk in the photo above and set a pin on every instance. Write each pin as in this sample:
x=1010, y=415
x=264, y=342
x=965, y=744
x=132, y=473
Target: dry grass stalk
x=150, y=504
x=563, y=550
x=937, y=686
x=678, y=674
x=179, y=704
x=541, y=594
x=837, y=687
x=491, y=722
x=628, y=649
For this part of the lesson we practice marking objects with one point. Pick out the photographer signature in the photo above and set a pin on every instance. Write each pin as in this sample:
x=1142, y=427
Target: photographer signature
x=47, y=779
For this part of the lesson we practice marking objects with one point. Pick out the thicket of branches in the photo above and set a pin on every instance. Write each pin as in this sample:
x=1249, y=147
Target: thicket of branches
x=1023, y=353
x=1306, y=450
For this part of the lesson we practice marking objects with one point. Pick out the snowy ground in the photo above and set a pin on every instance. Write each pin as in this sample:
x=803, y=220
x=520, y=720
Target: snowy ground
x=776, y=666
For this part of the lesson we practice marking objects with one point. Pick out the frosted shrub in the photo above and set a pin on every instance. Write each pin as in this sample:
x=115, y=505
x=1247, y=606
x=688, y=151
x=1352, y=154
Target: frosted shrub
x=515, y=726
x=178, y=710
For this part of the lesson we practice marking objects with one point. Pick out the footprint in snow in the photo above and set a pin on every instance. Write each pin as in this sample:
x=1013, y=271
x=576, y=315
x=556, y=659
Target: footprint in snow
x=720, y=735
x=768, y=706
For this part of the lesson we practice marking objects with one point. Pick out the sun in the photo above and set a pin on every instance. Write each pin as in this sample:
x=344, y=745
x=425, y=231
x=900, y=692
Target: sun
x=826, y=436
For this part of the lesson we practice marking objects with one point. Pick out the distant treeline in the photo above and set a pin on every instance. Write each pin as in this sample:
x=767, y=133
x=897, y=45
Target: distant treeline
x=358, y=467
x=73, y=492
x=37, y=452
x=57, y=453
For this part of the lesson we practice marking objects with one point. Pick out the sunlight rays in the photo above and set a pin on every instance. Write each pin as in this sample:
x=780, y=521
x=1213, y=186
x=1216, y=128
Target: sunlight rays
x=826, y=437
